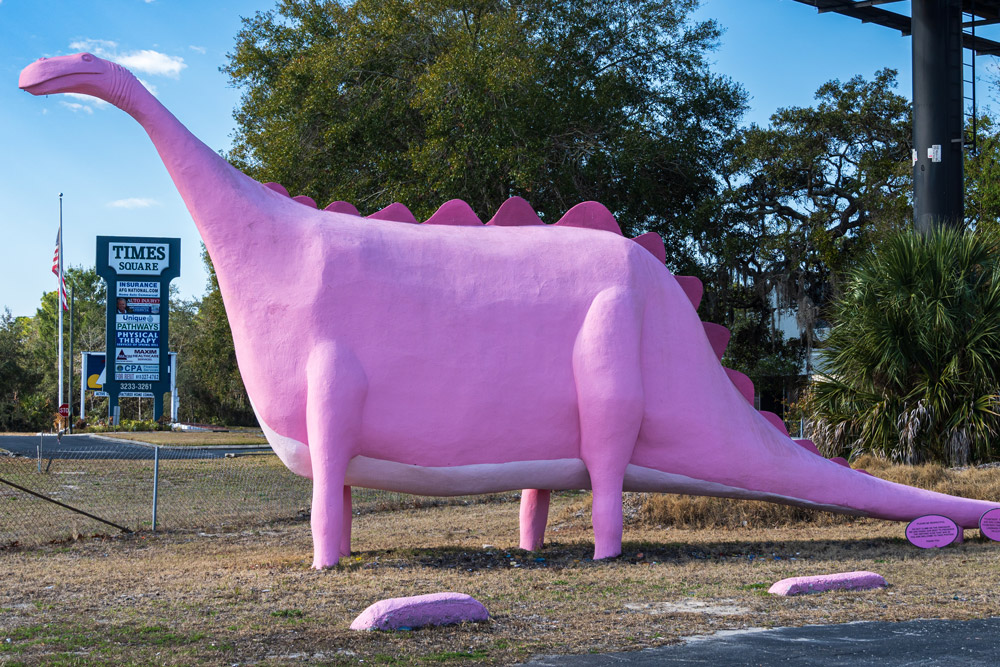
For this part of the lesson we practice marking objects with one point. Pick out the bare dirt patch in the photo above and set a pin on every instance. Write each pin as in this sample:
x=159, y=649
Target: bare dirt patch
x=249, y=596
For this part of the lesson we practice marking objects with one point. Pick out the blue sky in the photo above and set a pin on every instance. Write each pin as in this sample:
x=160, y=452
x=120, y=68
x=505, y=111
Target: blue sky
x=114, y=184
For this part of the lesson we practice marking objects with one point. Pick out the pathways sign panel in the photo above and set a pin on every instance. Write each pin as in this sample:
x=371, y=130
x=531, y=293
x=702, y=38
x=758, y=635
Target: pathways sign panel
x=138, y=272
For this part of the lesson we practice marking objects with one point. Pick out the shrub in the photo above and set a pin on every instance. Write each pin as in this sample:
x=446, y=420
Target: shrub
x=912, y=365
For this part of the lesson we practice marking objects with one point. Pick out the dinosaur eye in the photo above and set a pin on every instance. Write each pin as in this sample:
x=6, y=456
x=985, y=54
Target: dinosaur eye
x=87, y=57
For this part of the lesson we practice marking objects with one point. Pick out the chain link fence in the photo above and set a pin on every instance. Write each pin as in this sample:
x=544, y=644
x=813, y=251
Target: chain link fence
x=80, y=486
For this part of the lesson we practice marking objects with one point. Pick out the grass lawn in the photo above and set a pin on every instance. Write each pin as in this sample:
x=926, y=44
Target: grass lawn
x=190, y=438
x=249, y=596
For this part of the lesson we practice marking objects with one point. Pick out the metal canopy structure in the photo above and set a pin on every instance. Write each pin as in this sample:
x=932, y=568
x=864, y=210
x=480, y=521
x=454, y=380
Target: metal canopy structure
x=940, y=30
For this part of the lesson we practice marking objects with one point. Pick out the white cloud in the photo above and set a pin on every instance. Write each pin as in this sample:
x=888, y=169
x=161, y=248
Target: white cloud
x=88, y=99
x=99, y=47
x=143, y=60
x=132, y=202
x=74, y=107
x=152, y=62
x=200, y=49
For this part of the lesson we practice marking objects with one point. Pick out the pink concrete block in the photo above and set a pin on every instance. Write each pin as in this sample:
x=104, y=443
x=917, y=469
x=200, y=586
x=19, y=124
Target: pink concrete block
x=843, y=581
x=420, y=610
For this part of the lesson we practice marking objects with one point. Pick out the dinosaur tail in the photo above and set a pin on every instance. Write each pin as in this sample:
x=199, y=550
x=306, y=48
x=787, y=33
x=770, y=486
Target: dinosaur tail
x=703, y=429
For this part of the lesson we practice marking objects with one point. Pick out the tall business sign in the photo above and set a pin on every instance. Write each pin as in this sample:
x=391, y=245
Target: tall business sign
x=138, y=271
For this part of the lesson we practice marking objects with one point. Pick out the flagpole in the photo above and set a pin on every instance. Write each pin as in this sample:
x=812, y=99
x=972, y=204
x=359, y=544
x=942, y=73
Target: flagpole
x=59, y=293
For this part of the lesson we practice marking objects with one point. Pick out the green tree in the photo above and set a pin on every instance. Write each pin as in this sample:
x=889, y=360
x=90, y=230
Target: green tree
x=18, y=377
x=804, y=199
x=89, y=298
x=912, y=366
x=982, y=177
x=208, y=378
x=421, y=101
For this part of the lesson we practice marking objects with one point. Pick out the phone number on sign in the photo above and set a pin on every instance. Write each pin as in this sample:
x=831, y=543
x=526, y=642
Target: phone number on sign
x=135, y=386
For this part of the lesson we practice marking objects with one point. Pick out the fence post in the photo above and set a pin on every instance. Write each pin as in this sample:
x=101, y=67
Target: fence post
x=156, y=480
x=40, y=437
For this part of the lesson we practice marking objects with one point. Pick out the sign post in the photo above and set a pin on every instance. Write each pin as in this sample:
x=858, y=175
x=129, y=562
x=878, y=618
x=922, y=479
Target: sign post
x=138, y=271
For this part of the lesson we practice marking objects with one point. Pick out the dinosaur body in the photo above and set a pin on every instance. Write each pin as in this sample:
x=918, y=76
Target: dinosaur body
x=449, y=358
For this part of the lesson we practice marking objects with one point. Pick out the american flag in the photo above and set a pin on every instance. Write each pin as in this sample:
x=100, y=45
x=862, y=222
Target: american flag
x=57, y=269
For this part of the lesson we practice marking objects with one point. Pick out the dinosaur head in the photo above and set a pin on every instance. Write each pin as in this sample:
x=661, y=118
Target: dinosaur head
x=79, y=73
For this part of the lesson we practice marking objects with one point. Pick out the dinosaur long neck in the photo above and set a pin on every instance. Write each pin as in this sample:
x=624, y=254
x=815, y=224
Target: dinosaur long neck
x=216, y=193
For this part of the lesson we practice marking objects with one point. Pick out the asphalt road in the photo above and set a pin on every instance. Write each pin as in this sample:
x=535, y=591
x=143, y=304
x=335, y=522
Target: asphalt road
x=95, y=447
x=929, y=643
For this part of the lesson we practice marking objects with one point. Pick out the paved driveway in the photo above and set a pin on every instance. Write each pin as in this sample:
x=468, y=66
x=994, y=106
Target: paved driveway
x=85, y=446
x=929, y=643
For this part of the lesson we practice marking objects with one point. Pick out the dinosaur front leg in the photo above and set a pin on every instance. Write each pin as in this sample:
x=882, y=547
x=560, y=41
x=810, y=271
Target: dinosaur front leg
x=606, y=368
x=534, y=514
x=334, y=404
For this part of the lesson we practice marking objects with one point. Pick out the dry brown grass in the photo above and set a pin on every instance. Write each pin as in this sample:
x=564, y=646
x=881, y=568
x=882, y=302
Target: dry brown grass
x=250, y=596
x=705, y=512
x=189, y=439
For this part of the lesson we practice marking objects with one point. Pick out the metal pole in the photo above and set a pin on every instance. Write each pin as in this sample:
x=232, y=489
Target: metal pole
x=69, y=393
x=938, y=97
x=40, y=439
x=59, y=307
x=156, y=481
x=83, y=386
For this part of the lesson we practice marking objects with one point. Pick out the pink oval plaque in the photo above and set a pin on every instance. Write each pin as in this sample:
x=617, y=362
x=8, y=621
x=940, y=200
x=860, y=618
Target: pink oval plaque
x=989, y=524
x=932, y=531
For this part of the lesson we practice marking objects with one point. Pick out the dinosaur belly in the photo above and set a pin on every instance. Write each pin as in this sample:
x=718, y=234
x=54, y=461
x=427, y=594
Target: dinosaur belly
x=463, y=480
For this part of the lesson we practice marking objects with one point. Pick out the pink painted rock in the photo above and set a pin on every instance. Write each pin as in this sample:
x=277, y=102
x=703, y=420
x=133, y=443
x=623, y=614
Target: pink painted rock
x=420, y=610
x=843, y=581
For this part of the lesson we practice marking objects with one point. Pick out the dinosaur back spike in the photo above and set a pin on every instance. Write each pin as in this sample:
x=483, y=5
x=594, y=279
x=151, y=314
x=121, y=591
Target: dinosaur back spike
x=515, y=212
x=395, y=212
x=590, y=215
x=277, y=187
x=692, y=288
x=840, y=460
x=653, y=242
x=775, y=421
x=808, y=445
x=303, y=199
x=743, y=383
x=455, y=212
x=342, y=207
x=718, y=336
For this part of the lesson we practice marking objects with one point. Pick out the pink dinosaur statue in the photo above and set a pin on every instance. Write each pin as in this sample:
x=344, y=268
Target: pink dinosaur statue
x=450, y=358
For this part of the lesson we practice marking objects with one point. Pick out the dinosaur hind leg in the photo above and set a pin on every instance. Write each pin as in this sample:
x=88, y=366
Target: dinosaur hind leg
x=345, y=530
x=334, y=403
x=606, y=368
x=534, y=514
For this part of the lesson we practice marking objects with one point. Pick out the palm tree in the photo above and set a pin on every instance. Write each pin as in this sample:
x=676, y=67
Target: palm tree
x=911, y=368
